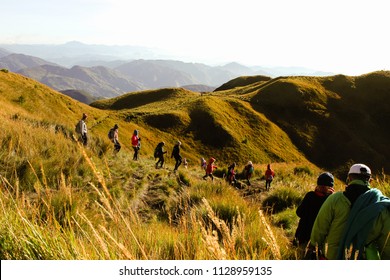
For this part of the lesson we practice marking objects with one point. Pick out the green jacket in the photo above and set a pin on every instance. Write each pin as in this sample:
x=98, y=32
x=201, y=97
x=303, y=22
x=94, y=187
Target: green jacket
x=331, y=221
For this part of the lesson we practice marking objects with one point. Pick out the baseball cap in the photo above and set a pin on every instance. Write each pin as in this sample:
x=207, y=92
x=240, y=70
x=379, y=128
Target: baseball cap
x=360, y=168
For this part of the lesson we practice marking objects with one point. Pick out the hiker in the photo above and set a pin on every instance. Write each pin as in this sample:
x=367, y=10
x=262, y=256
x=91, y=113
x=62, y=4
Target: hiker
x=248, y=171
x=176, y=154
x=355, y=223
x=269, y=176
x=159, y=153
x=231, y=174
x=203, y=163
x=136, y=143
x=81, y=129
x=210, y=169
x=113, y=135
x=308, y=209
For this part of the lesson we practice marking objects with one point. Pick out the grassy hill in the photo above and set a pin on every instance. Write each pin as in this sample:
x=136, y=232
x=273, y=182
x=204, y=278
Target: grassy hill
x=63, y=201
x=332, y=120
x=242, y=81
x=208, y=125
x=80, y=95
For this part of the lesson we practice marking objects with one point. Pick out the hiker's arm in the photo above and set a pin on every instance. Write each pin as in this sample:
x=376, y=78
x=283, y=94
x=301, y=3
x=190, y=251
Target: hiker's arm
x=303, y=207
x=322, y=223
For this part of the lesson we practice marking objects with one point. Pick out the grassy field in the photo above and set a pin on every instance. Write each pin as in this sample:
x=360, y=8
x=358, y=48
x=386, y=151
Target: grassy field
x=62, y=201
x=130, y=210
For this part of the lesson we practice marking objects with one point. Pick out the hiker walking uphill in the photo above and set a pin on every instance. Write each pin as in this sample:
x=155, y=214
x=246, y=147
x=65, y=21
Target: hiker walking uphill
x=231, y=174
x=269, y=176
x=113, y=135
x=136, y=144
x=354, y=223
x=176, y=155
x=308, y=209
x=159, y=153
x=81, y=130
x=210, y=169
x=248, y=171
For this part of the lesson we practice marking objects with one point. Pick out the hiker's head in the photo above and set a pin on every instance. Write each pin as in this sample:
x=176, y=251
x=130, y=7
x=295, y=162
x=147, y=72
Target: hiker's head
x=249, y=163
x=178, y=143
x=268, y=166
x=325, y=182
x=135, y=132
x=116, y=126
x=325, y=179
x=211, y=160
x=84, y=116
x=359, y=171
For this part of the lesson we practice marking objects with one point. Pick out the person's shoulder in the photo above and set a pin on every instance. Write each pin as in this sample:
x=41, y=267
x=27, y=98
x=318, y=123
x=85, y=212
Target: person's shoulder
x=337, y=198
x=337, y=195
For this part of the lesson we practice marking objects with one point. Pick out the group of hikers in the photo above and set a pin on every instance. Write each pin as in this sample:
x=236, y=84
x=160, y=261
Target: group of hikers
x=113, y=134
x=349, y=224
x=159, y=154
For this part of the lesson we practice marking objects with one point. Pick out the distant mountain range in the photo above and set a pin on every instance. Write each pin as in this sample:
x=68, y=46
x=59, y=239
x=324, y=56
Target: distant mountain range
x=108, y=71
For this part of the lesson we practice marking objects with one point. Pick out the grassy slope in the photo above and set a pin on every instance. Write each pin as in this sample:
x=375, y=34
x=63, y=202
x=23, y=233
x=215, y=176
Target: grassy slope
x=60, y=201
x=333, y=120
x=242, y=81
x=214, y=124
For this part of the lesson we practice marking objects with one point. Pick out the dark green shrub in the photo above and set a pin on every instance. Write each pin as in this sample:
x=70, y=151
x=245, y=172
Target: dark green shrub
x=281, y=199
x=302, y=170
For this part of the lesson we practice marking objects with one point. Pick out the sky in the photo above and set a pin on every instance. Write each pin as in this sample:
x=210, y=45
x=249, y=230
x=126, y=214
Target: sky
x=341, y=36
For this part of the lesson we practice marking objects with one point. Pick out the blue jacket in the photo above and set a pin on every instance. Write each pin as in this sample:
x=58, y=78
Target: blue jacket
x=362, y=216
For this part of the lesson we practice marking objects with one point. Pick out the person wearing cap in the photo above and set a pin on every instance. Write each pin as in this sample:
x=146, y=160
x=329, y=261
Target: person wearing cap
x=355, y=223
x=308, y=209
x=176, y=155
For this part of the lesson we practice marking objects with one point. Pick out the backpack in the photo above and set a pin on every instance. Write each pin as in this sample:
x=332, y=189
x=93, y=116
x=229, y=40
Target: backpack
x=78, y=127
x=156, y=150
x=156, y=153
x=111, y=134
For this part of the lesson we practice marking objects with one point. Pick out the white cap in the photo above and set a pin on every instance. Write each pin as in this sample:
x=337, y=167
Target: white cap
x=360, y=168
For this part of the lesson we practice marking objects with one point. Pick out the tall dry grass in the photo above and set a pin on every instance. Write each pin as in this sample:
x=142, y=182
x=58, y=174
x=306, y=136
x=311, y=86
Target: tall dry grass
x=60, y=221
x=61, y=200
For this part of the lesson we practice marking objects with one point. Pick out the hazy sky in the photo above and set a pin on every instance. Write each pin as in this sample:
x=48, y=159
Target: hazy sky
x=342, y=36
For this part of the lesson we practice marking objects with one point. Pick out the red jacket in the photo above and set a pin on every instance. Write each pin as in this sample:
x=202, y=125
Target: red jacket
x=269, y=173
x=210, y=168
x=134, y=140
